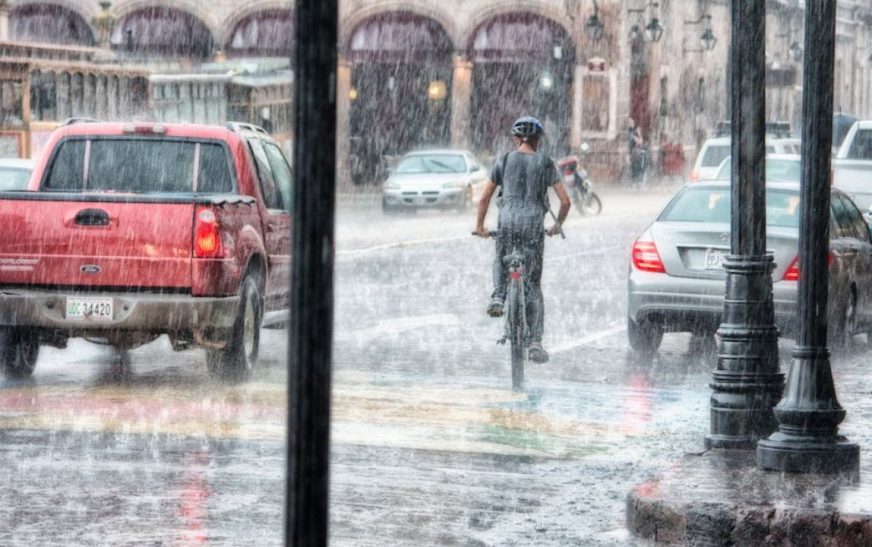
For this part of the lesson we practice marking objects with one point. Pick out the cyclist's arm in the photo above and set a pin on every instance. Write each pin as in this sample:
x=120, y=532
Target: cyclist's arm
x=486, y=195
x=560, y=190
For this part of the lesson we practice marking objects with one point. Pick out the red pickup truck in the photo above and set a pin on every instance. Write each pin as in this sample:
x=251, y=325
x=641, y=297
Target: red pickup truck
x=129, y=231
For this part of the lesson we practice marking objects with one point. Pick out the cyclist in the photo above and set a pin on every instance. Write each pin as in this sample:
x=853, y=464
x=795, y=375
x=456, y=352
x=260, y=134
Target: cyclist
x=523, y=177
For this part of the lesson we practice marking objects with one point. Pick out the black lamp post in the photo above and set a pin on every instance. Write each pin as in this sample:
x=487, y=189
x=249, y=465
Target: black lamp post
x=747, y=382
x=594, y=25
x=808, y=440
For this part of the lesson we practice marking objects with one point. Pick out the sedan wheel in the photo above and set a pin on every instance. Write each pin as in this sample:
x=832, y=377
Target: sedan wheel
x=644, y=337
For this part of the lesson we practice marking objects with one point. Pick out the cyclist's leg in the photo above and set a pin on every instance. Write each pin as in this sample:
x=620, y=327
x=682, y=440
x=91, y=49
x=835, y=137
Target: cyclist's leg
x=533, y=288
x=498, y=297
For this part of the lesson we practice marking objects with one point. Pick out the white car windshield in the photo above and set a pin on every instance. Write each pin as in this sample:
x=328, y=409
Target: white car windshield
x=777, y=170
x=436, y=163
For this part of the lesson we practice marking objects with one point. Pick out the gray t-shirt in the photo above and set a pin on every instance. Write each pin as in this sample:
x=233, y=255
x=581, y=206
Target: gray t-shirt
x=523, y=180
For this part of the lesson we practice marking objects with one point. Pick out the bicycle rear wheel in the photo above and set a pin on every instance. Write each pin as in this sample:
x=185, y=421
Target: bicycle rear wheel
x=516, y=336
x=592, y=205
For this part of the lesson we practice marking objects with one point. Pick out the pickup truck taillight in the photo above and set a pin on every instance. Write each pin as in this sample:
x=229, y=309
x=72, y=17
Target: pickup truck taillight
x=207, y=235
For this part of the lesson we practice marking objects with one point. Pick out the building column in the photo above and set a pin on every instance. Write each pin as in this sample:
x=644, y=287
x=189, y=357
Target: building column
x=577, y=106
x=4, y=20
x=343, y=123
x=461, y=100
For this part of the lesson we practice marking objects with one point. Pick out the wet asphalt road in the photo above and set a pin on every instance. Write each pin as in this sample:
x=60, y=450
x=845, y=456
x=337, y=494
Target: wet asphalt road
x=430, y=445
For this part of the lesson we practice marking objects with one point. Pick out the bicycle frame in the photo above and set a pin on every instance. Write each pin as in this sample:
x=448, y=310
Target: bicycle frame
x=516, y=328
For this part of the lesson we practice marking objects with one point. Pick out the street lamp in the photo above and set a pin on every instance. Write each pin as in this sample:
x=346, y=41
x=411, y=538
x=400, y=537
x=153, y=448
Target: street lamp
x=546, y=82
x=594, y=25
x=708, y=39
x=635, y=33
x=654, y=30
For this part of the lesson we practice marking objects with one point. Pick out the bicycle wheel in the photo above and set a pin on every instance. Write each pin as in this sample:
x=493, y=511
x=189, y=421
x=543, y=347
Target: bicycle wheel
x=516, y=336
x=592, y=205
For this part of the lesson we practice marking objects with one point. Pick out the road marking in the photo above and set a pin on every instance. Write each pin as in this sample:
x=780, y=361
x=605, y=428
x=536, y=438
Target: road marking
x=387, y=246
x=401, y=324
x=593, y=337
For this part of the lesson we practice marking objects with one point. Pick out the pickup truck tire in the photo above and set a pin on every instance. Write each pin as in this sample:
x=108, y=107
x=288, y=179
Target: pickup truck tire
x=19, y=350
x=236, y=361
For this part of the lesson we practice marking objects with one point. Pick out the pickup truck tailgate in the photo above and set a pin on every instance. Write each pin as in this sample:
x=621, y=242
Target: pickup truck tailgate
x=96, y=243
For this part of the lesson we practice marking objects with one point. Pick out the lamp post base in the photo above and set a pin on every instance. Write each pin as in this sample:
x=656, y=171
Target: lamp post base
x=781, y=452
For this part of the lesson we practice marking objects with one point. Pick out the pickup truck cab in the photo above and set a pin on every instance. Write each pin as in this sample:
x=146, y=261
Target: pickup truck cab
x=134, y=230
x=852, y=166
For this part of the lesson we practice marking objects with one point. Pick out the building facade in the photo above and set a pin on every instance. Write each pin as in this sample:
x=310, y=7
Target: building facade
x=425, y=72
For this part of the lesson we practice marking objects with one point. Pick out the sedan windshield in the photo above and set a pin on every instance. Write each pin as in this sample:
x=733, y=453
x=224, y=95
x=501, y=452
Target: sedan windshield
x=712, y=205
x=436, y=163
x=777, y=170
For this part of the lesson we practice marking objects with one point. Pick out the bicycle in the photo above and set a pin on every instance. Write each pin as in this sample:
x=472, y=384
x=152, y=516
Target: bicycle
x=515, y=330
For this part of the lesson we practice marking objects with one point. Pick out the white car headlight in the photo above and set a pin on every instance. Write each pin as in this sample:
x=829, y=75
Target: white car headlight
x=391, y=185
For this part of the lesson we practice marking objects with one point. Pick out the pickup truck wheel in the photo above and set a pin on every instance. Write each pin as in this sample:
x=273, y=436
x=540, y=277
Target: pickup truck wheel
x=238, y=358
x=19, y=350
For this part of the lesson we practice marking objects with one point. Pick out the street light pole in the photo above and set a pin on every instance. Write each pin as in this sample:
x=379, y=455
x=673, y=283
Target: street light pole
x=311, y=326
x=747, y=382
x=807, y=440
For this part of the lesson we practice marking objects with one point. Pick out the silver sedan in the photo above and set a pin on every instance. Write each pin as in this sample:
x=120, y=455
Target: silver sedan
x=677, y=282
x=434, y=178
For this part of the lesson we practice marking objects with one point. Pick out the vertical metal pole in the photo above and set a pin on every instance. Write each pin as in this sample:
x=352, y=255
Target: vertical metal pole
x=311, y=328
x=807, y=439
x=747, y=382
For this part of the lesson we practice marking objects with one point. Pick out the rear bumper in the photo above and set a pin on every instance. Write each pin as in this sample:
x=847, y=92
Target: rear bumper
x=681, y=304
x=154, y=313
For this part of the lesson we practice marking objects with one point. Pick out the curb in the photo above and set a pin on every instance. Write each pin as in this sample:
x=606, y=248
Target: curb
x=720, y=498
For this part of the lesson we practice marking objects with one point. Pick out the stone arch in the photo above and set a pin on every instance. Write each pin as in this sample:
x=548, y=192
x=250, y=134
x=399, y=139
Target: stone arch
x=524, y=63
x=498, y=9
x=261, y=32
x=245, y=9
x=211, y=18
x=350, y=24
x=142, y=31
x=50, y=22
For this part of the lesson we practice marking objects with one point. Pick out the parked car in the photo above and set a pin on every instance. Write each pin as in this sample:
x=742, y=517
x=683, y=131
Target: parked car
x=676, y=281
x=14, y=174
x=715, y=150
x=131, y=231
x=434, y=178
x=779, y=168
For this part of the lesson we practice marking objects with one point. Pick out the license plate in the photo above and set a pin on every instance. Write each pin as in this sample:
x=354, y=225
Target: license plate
x=89, y=308
x=714, y=259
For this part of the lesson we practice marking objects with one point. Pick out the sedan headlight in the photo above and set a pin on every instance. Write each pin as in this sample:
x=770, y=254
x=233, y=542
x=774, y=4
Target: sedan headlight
x=456, y=184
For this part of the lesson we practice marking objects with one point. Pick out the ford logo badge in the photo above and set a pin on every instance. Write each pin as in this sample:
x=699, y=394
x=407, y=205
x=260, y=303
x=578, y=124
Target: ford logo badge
x=90, y=269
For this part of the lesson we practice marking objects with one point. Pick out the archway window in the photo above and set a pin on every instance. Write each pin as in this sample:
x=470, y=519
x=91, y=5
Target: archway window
x=521, y=37
x=399, y=37
x=49, y=23
x=265, y=33
x=159, y=31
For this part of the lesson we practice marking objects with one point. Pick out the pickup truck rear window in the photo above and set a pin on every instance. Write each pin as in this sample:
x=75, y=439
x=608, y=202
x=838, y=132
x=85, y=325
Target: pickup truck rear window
x=139, y=166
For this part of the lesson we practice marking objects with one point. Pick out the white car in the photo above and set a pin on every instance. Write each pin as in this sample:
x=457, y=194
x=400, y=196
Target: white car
x=779, y=168
x=715, y=150
x=15, y=174
x=441, y=178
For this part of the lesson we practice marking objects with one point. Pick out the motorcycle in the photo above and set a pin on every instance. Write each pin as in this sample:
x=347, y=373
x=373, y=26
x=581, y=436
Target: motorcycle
x=579, y=185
